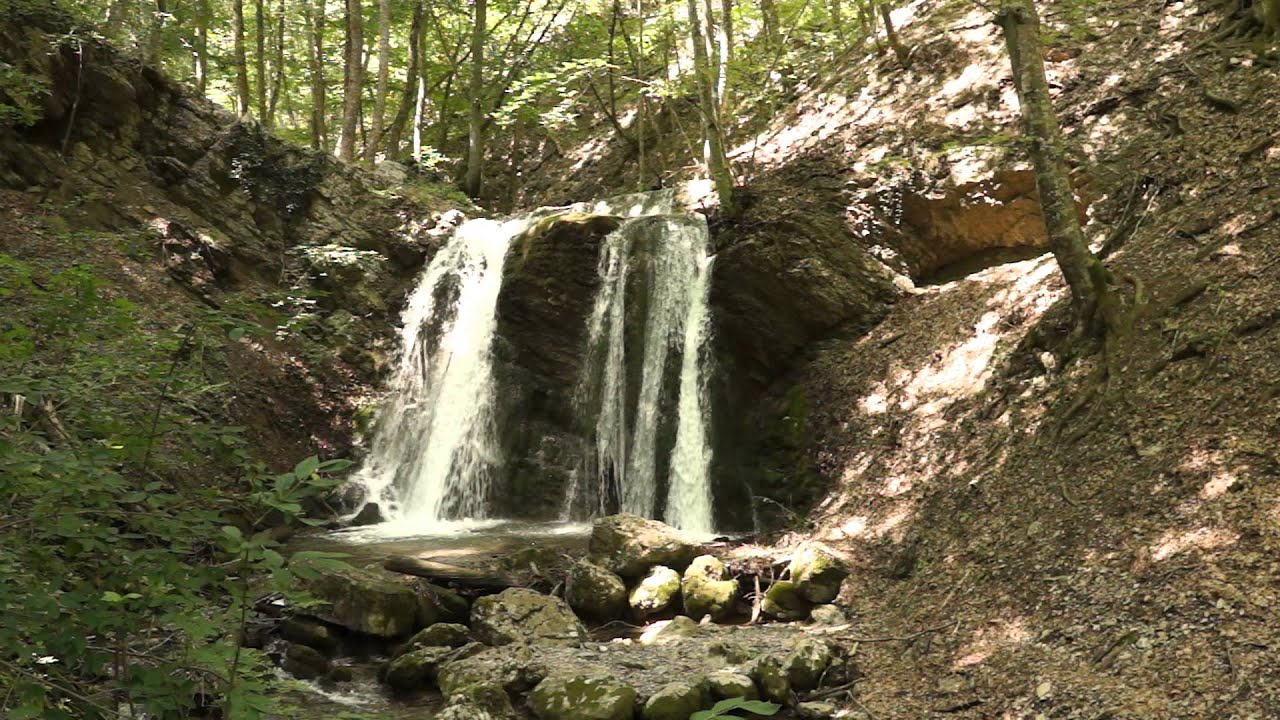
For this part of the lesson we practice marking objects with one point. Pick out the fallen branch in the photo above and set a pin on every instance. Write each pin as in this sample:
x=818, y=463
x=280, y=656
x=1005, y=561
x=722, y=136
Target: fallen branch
x=442, y=572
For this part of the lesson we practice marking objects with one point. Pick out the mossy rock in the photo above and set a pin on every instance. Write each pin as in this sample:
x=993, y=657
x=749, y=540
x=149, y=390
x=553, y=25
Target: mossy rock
x=521, y=615
x=361, y=600
x=629, y=545
x=304, y=663
x=583, y=697
x=706, y=591
x=806, y=662
x=594, y=592
x=416, y=669
x=446, y=635
x=676, y=701
x=656, y=593
x=784, y=601
x=818, y=572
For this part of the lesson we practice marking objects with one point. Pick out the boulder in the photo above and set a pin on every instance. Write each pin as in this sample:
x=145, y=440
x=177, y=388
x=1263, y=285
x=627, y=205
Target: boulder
x=416, y=669
x=806, y=663
x=441, y=605
x=656, y=593
x=827, y=616
x=706, y=590
x=447, y=635
x=370, y=514
x=676, y=701
x=481, y=701
x=594, y=592
x=304, y=663
x=521, y=615
x=784, y=601
x=667, y=631
x=818, y=572
x=629, y=545
x=771, y=677
x=583, y=697
x=725, y=684
x=360, y=600
x=312, y=633
x=512, y=667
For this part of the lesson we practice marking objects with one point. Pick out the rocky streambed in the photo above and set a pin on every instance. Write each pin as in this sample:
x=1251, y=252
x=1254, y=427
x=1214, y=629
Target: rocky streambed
x=645, y=624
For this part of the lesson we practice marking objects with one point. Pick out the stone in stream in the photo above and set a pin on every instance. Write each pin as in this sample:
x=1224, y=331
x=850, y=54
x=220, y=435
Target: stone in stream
x=725, y=684
x=583, y=697
x=656, y=593
x=629, y=545
x=594, y=592
x=676, y=701
x=304, y=663
x=417, y=669
x=360, y=600
x=520, y=615
x=311, y=633
x=441, y=605
x=818, y=572
x=706, y=592
x=815, y=711
x=448, y=635
x=480, y=701
x=668, y=631
x=514, y=667
x=784, y=601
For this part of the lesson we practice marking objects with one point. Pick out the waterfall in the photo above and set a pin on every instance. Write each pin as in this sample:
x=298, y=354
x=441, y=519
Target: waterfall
x=436, y=455
x=621, y=384
x=434, y=451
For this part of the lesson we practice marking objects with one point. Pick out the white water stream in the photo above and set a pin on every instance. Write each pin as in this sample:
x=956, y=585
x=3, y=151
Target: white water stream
x=435, y=456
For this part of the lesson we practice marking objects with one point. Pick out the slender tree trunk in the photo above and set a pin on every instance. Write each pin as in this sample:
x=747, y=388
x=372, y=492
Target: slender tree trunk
x=353, y=82
x=895, y=42
x=279, y=76
x=769, y=12
x=260, y=58
x=413, y=85
x=202, y=47
x=1085, y=275
x=384, y=78
x=837, y=17
x=713, y=141
x=475, y=143
x=155, y=32
x=243, y=100
x=313, y=14
x=726, y=54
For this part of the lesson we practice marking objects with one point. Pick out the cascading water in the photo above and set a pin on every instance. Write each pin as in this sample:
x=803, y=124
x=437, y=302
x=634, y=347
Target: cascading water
x=436, y=456
x=434, y=451
x=629, y=401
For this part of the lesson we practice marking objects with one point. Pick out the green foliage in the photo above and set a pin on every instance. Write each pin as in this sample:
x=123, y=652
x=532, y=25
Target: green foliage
x=125, y=585
x=725, y=709
x=20, y=95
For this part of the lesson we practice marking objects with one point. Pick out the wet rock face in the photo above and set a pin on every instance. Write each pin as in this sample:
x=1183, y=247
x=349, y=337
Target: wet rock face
x=518, y=615
x=549, y=285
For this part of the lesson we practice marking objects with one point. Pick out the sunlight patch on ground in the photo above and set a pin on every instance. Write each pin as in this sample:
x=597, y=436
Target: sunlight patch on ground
x=1204, y=538
x=987, y=641
x=1221, y=481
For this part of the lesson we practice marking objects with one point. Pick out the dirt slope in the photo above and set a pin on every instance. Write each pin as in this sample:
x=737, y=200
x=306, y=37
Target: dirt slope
x=1036, y=537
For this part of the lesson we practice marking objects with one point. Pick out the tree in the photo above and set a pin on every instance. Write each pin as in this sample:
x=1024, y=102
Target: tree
x=314, y=15
x=412, y=96
x=260, y=60
x=353, y=81
x=239, y=59
x=200, y=46
x=475, y=95
x=712, y=139
x=1084, y=273
x=384, y=75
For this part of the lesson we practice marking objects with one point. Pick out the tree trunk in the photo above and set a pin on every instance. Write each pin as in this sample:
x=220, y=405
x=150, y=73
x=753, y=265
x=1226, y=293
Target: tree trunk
x=769, y=11
x=713, y=142
x=260, y=58
x=726, y=54
x=384, y=78
x=475, y=142
x=313, y=13
x=837, y=17
x=900, y=50
x=412, y=83
x=1083, y=272
x=202, y=47
x=242, y=66
x=278, y=75
x=353, y=82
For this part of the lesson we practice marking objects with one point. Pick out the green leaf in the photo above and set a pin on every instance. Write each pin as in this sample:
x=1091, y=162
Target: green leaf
x=335, y=465
x=112, y=597
x=235, y=334
x=232, y=532
x=306, y=468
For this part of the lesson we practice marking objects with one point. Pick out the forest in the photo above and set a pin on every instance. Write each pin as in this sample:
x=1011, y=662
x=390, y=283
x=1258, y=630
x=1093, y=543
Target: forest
x=639, y=360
